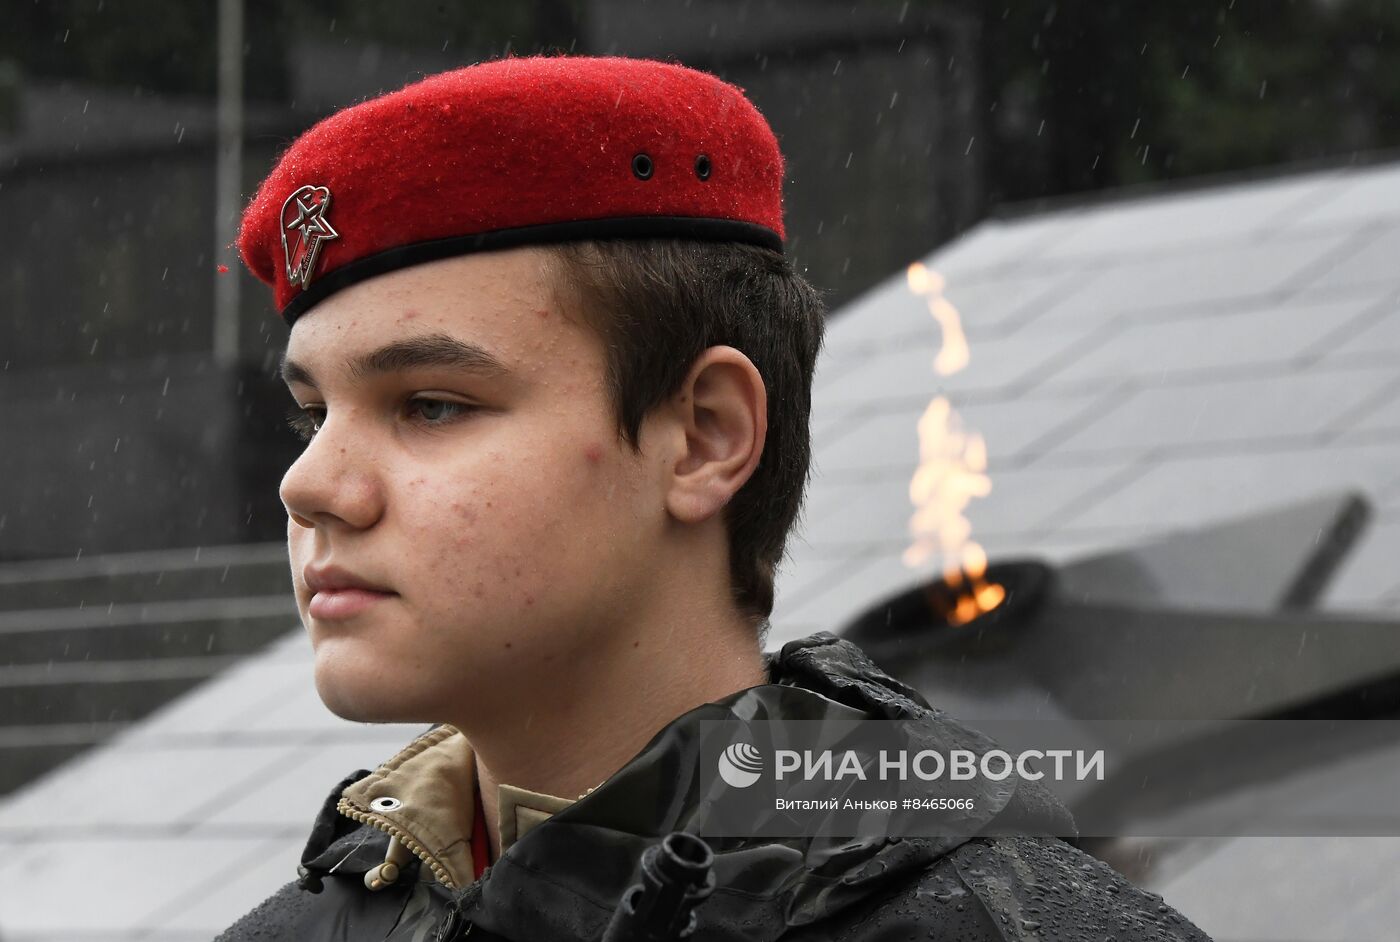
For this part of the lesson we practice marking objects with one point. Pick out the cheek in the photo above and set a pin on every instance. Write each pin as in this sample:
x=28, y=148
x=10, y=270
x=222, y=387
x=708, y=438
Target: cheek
x=524, y=522
x=482, y=539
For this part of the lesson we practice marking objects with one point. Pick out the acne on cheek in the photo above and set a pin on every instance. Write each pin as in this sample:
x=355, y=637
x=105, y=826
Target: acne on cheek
x=467, y=514
x=593, y=453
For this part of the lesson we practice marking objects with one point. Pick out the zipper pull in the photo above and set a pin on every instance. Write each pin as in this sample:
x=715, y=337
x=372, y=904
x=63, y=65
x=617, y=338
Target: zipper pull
x=451, y=928
x=387, y=873
x=455, y=925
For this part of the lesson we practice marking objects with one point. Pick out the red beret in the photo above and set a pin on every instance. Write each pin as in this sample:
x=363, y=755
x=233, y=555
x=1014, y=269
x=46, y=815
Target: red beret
x=513, y=152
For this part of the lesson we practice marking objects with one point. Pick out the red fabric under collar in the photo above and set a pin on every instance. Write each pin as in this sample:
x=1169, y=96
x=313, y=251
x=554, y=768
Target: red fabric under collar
x=481, y=843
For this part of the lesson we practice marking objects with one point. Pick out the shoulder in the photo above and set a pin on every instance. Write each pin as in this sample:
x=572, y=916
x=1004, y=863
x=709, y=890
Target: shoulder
x=1019, y=887
x=284, y=910
x=341, y=911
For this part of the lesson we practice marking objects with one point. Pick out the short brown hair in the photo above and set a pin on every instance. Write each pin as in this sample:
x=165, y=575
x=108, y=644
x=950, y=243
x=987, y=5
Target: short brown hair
x=658, y=304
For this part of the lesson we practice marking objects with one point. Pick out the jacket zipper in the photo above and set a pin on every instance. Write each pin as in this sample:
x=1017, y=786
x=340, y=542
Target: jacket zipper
x=347, y=808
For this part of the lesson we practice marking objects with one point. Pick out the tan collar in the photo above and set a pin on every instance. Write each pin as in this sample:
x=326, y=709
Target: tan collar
x=425, y=797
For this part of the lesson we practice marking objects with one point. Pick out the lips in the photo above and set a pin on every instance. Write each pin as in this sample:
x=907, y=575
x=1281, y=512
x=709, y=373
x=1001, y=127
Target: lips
x=339, y=593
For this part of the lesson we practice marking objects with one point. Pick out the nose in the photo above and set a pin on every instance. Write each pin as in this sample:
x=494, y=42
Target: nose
x=334, y=482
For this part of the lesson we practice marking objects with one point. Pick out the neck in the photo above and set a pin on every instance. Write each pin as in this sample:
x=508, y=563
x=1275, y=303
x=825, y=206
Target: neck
x=571, y=733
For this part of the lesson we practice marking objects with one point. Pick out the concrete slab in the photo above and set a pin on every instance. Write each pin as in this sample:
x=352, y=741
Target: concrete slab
x=1214, y=216
x=1370, y=574
x=1220, y=345
x=1187, y=492
x=1378, y=338
x=889, y=440
x=998, y=367
x=205, y=711
x=1149, y=287
x=1021, y=502
x=206, y=911
x=1363, y=194
x=1380, y=420
x=1287, y=406
x=290, y=796
x=1370, y=262
x=112, y=908
x=150, y=787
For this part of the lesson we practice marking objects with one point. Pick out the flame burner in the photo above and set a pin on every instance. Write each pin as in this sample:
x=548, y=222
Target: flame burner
x=1181, y=634
x=919, y=618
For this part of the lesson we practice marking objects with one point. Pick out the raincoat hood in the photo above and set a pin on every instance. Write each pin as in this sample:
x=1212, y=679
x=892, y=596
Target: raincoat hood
x=563, y=878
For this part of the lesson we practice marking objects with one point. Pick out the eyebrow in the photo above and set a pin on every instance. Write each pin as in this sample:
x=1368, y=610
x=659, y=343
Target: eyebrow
x=439, y=350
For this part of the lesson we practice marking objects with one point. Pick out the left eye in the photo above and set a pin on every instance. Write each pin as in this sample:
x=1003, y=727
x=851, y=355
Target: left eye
x=435, y=411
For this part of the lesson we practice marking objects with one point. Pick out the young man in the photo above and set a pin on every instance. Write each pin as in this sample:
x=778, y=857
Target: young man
x=554, y=375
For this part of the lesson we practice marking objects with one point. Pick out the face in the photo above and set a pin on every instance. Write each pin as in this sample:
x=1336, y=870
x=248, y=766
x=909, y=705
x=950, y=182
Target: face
x=465, y=522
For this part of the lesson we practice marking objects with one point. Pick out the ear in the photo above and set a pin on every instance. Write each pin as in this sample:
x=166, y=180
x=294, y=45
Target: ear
x=721, y=422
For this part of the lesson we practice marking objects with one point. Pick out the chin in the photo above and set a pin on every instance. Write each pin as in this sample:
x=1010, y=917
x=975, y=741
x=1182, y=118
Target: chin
x=364, y=692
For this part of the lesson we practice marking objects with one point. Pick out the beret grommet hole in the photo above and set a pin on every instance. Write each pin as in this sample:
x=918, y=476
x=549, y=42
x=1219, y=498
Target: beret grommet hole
x=642, y=167
x=702, y=167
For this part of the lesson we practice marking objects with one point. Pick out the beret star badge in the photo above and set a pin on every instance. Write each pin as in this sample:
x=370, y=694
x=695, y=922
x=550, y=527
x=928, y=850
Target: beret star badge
x=304, y=219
